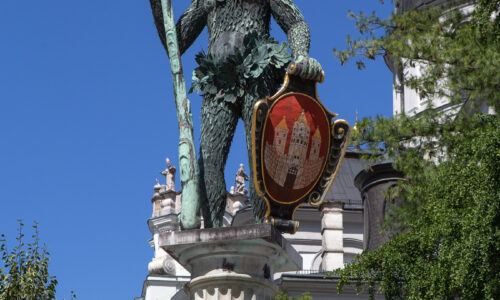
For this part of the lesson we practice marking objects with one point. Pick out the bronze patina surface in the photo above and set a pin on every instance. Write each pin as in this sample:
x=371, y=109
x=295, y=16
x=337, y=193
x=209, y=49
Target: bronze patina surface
x=238, y=40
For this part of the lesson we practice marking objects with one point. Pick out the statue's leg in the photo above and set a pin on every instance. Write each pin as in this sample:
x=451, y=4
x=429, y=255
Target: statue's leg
x=270, y=86
x=269, y=82
x=258, y=203
x=218, y=122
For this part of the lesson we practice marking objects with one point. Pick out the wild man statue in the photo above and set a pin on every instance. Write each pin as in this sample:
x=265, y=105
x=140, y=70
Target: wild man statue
x=242, y=65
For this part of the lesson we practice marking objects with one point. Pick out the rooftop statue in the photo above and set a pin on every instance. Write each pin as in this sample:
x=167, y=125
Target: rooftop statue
x=242, y=65
x=169, y=174
x=240, y=179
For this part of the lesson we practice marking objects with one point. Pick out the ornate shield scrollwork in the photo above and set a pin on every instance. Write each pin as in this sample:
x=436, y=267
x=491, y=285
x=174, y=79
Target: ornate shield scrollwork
x=297, y=150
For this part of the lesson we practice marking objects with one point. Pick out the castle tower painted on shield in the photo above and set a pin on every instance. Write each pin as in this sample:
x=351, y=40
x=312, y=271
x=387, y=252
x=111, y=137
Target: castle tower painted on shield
x=296, y=168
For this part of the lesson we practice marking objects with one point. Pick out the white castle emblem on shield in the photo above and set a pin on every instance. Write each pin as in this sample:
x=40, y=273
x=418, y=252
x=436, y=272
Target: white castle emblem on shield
x=297, y=168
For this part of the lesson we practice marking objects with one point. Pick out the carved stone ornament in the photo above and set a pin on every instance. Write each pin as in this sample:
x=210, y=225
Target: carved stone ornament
x=297, y=149
x=169, y=266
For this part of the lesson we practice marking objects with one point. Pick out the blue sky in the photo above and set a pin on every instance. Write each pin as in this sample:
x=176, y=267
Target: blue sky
x=87, y=118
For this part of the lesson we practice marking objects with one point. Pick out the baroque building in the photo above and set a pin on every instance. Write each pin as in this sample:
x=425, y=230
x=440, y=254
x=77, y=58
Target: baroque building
x=327, y=238
x=407, y=100
x=347, y=223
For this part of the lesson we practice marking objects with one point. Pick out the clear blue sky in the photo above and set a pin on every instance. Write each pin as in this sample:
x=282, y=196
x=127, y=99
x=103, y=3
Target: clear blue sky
x=87, y=118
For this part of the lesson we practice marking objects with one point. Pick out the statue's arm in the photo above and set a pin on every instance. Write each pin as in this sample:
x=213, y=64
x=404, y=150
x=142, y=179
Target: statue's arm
x=289, y=18
x=188, y=27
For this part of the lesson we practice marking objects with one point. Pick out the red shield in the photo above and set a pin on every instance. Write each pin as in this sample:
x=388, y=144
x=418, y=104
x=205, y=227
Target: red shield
x=295, y=147
x=297, y=150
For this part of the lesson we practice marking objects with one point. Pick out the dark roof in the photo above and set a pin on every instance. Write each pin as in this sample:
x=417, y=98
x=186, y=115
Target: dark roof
x=343, y=188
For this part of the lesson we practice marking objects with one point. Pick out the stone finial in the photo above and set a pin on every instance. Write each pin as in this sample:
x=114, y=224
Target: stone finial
x=157, y=189
x=240, y=179
x=169, y=174
x=156, y=198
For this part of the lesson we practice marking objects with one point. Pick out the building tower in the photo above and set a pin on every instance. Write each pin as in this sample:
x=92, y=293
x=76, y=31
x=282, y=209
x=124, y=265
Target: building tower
x=280, y=136
x=298, y=150
x=315, y=145
x=275, y=154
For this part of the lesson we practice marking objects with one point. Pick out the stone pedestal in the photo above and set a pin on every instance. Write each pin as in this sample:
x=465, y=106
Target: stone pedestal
x=231, y=262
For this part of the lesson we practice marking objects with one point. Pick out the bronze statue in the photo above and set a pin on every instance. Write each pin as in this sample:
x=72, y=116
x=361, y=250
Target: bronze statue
x=242, y=65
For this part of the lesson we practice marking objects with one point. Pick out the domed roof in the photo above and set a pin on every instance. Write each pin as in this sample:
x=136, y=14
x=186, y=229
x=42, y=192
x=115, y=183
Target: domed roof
x=282, y=124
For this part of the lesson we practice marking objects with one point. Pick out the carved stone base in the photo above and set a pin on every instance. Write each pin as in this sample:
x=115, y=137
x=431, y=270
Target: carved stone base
x=229, y=286
x=236, y=202
x=232, y=262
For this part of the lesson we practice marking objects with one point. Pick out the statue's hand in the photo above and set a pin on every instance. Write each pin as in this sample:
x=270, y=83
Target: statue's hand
x=306, y=68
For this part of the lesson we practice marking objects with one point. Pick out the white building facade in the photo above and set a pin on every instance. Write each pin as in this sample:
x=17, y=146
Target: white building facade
x=327, y=238
x=407, y=100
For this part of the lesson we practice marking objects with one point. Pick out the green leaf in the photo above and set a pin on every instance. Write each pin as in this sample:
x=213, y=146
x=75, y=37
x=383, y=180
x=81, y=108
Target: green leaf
x=24, y=269
x=235, y=76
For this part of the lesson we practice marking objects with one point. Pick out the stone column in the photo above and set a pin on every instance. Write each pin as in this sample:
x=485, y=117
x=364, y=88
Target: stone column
x=232, y=262
x=332, y=233
x=373, y=183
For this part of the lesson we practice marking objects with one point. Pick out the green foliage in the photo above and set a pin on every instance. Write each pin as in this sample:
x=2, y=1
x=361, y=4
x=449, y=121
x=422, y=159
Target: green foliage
x=451, y=246
x=24, y=270
x=240, y=74
x=284, y=296
x=456, y=54
x=448, y=224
